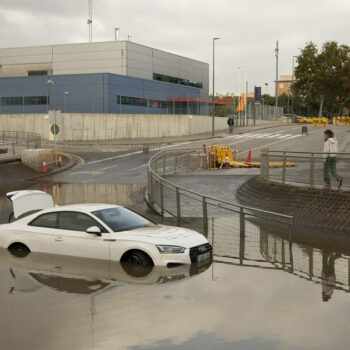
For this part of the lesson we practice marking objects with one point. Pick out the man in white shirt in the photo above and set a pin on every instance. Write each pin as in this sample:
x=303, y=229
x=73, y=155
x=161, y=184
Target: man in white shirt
x=330, y=150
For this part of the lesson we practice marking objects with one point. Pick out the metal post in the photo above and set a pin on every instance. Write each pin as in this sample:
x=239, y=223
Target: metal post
x=311, y=263
x=164, y=164
x=246, y=96
x=312, y=170
x=213, y=102
x=178, y=205
x=283, y=255
x=276, y=87
x=161, y=199
x=205, y=215
x=175, y=164
x=284, y=168
x=241, y=236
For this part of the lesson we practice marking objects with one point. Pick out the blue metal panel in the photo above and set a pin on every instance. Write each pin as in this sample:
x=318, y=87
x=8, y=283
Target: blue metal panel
x=90, y=93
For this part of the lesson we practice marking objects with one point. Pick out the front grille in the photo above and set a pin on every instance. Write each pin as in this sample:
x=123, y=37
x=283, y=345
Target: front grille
x=201, y=249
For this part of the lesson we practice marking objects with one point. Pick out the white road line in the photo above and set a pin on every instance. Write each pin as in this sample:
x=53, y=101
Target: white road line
x=139, y=167
x=284, y=136
x=292, y=137
x=273, y=136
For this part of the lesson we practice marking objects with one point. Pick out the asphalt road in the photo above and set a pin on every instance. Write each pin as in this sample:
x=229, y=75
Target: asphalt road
x=122, y=164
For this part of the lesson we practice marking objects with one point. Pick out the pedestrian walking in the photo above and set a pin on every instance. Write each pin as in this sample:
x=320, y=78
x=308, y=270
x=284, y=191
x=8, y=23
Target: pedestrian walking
x=330, y=150
x=230, y=123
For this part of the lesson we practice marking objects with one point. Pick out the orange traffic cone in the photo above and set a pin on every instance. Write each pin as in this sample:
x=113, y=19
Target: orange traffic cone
x=60, y=160
x=227, y=162
x=249, y=158
x=44, y=170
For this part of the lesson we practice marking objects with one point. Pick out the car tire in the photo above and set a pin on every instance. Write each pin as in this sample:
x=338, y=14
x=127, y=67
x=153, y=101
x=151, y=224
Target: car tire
x=19, y=250
x=137, y=263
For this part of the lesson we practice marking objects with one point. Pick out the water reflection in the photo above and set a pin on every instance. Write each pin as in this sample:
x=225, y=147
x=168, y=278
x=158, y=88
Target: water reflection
x=83, y=276
x=264, y=248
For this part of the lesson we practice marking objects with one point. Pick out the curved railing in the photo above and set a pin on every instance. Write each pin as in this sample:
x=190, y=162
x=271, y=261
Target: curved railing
x=309, y=170
x=174, y=200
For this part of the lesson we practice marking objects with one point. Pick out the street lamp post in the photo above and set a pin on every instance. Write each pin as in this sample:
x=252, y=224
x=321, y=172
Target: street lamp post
x=50, y=82
x=64, y=100
x=239, y=122
x=246, y=96
x=292, y=92
x=213, y=102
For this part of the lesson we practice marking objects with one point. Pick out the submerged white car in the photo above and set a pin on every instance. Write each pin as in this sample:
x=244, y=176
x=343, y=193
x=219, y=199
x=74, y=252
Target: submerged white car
x=97, y=231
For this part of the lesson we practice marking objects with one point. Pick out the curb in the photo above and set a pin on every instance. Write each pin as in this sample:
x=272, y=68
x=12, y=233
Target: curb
x=8, y=161
x=72, y=161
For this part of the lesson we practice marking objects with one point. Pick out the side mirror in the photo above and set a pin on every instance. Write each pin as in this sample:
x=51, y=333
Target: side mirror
x=94, y=230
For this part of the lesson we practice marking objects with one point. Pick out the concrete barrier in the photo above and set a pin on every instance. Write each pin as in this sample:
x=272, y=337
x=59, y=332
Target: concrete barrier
x=94, y=127
x=33, y=158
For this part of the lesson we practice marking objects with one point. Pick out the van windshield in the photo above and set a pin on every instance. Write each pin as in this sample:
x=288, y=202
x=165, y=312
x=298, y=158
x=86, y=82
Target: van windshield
x=121, y=219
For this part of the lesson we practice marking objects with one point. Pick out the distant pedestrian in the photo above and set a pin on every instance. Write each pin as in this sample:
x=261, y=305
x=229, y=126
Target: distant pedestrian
x=330, y=151
x=230, y=123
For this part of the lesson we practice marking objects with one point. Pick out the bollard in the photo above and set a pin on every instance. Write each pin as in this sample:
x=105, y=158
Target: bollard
x=284, y=168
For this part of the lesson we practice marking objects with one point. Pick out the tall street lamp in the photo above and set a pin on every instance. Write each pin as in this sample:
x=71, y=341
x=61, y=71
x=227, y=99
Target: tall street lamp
x=292, y=90
x=64, y=100
x=213, y=107
x=50, y=82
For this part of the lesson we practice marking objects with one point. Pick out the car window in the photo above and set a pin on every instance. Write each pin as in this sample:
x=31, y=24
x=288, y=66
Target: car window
x=121, y=219
x=75, y=221
x=46, y=220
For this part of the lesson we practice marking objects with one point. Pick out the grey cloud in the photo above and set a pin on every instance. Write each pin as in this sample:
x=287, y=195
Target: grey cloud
x=248, y=29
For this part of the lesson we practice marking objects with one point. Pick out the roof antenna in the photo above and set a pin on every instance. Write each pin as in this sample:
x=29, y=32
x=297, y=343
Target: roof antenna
x=89, y=22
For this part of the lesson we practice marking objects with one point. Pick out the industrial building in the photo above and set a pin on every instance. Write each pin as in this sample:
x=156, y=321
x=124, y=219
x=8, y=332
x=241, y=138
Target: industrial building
x=101, y=77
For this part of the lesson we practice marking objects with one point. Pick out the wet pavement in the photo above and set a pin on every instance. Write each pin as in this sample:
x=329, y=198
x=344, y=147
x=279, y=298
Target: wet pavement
x=261, y=292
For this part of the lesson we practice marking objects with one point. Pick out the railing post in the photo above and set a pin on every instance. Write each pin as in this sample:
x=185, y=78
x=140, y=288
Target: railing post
x=241, y=222
x=284, y=168
x=178, y=205
x=205, y=215
x=150, y=192
x=161, y=199
x=175, y=164
x=164, y=163
x=312, y=170
x=241, y=236
x=264, y=159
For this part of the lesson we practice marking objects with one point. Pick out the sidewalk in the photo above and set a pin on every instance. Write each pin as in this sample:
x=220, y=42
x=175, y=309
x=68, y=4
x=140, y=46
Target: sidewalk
x=165, y=140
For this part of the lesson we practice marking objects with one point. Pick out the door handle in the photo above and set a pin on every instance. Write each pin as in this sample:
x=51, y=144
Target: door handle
x=58, y=239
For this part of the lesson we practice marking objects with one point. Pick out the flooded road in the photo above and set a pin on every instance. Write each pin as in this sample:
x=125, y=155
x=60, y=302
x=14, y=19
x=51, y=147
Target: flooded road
x=261, y=292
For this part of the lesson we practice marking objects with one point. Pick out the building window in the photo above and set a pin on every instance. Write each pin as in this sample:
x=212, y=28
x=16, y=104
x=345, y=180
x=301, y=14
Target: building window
x=26, y=100
x=141, y=102
x=37, y=72
x=174, y=80
x=35, y=100
x=12, y=101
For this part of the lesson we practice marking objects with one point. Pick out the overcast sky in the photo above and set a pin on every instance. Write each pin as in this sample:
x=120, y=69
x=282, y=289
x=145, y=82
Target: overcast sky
x=248, y=29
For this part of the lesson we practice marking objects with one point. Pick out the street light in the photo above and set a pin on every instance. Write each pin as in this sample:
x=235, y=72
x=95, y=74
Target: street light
x=50, y=82
x=246, y=95
x=213, y=107
x=239, y=96
x=292, y=92
x=64, y=100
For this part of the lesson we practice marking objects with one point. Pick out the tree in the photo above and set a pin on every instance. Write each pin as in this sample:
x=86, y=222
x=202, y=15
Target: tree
x=320, y=75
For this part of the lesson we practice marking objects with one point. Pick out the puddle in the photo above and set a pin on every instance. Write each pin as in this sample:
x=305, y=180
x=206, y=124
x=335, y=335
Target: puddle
x=261, y=292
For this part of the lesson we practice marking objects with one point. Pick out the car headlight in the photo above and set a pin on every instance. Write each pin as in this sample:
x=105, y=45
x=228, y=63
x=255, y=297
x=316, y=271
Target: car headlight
x=170, y=249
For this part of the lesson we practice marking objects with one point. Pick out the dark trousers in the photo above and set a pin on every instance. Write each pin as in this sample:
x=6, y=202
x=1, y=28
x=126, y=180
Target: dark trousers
x=330, y=168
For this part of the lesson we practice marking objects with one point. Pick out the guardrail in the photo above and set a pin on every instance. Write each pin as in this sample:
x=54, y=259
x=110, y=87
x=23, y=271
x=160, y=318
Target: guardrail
x=173, y=200
x=12, y=143
x=310, y=169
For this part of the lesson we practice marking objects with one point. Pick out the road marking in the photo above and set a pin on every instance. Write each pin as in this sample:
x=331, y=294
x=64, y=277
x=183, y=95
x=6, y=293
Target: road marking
x=273, y=136
x=284, y=136
x=139, y=167
x=82, y=161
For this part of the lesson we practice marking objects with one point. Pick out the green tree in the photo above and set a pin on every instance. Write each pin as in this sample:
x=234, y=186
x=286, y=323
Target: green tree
x=320, y=75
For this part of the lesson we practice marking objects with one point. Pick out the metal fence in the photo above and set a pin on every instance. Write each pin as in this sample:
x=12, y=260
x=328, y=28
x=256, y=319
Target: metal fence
x=309, y=170
x=173, y=200
x=13, y=143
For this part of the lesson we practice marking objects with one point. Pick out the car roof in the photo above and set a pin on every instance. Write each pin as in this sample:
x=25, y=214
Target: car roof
x=87, y=208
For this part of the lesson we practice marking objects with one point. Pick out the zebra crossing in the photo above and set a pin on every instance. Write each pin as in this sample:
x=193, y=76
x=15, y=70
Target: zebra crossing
x=271, y=136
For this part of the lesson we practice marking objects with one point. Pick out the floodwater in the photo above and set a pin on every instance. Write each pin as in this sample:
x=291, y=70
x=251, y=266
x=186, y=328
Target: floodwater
x=261, y=292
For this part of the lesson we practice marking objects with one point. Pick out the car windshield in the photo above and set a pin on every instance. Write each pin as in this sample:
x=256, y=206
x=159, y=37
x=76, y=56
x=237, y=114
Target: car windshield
x=121, y=219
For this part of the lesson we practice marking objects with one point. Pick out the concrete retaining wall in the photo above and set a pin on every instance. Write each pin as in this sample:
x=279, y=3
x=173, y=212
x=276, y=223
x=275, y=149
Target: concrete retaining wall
x=92, y=127
x=33, y=158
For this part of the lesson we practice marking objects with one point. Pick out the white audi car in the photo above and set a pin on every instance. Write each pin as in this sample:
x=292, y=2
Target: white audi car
x=98, y=231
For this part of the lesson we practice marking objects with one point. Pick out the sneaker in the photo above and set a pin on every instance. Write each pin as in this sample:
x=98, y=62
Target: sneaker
x=340, y=182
